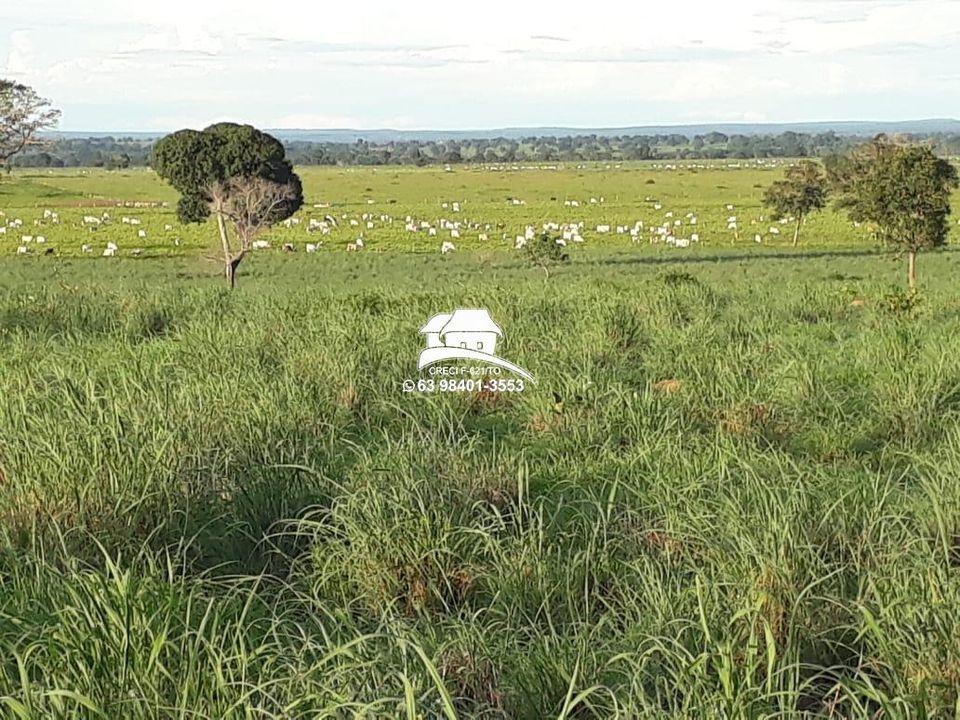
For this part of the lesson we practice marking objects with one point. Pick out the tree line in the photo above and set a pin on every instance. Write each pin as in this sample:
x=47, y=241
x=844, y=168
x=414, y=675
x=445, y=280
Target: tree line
x=124, y=152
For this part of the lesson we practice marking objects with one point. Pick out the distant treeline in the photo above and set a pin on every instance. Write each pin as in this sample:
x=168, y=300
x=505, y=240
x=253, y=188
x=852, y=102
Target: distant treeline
x=108, y=152
x=117, y=153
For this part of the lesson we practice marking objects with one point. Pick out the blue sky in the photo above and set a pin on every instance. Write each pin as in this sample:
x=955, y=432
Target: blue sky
x=117, y=65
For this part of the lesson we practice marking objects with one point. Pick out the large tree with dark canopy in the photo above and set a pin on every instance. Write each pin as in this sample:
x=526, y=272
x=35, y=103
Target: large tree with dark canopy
x=236, y=173
x=23, y=114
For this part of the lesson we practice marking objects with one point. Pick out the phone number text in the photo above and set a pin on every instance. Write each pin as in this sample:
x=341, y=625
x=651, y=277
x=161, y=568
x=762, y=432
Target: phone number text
x=431, y=385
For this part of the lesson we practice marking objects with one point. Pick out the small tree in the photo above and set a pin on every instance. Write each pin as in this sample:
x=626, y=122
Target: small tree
x=802, y=191
x=23, y=114
x=235, y=172
x=903, y=190
x=546, y=250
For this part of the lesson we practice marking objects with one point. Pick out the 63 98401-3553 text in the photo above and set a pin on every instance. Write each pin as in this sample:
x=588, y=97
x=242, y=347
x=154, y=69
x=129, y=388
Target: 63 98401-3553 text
x=433, y=385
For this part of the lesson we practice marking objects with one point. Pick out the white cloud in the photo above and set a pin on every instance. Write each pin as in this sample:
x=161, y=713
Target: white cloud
x=121, y=65
x=21, y=59
x=181, y=39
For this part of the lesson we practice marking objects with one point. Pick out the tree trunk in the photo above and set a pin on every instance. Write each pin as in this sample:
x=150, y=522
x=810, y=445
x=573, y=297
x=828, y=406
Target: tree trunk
x=230, y=269
x=796, y=230
x=912, y=269
x=230, y=261
x=224, y=240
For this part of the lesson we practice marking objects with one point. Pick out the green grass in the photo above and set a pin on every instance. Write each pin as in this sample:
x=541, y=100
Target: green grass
x=702, y=188
x=731, y=493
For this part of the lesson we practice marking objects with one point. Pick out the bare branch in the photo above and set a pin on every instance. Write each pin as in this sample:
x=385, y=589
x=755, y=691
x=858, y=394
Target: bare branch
x=23, y=114
x=251, y=204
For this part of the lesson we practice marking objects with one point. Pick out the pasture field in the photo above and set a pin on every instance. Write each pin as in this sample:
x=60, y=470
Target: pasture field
x=631, y=193
x=732, y=492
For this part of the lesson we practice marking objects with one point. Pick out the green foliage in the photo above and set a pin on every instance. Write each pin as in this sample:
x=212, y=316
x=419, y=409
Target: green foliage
x=120, y=161
x=545, y=250
x=193, y=161
x=800, y=193
x=903, y=190
x=901, y=302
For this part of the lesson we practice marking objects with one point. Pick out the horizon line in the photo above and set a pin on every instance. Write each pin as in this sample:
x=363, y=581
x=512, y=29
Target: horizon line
x=514, y=128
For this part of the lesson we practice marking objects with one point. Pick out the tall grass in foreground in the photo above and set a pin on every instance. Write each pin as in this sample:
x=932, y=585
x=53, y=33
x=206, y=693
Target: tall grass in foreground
x=724, y=498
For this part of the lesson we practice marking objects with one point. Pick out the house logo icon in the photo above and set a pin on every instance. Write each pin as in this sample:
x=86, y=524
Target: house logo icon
x=465, y=334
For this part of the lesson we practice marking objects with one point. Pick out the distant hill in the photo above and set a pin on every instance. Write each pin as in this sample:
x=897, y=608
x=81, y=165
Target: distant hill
x=347, y=135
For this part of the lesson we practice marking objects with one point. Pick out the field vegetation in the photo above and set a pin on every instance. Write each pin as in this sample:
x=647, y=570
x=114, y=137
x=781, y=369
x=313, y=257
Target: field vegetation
x=630, y=192
x=731, y=492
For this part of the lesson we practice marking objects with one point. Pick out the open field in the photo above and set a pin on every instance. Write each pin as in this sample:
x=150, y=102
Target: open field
x=223, y=502
x=631, y=193
x=731, y=493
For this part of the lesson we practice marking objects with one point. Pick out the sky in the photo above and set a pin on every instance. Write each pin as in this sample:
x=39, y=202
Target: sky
x=114, y=65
